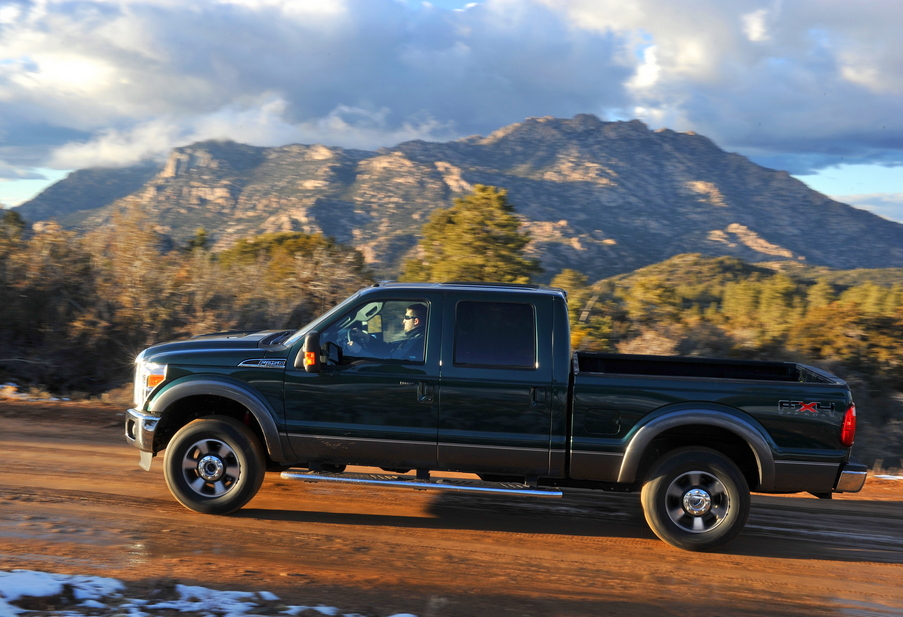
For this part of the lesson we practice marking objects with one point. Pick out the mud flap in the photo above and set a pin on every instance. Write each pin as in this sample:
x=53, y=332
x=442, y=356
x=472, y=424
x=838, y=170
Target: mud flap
x=144, y=459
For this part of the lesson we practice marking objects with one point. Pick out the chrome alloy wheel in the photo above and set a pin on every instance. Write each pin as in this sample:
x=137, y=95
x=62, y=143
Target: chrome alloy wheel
x=697, y=501
x=210, y=467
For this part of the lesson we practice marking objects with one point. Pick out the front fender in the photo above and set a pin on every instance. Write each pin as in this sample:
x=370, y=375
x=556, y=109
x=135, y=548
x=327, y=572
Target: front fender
x=225, y=387
x=746, y=429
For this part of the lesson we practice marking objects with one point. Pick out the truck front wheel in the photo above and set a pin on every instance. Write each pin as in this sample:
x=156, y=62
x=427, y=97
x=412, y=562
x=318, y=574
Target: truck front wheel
x=695, y=499
x=214, y=465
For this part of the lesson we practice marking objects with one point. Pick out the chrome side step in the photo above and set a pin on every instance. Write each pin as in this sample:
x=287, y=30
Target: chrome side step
x=431, y=484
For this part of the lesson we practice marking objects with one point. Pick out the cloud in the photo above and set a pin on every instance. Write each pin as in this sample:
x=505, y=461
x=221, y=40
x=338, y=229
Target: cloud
x=777, y=80
x=119, y=148
x=754, y=25
x=887, y=205
x=8, y=172
x=796, y=85
x=261, y=124
x=141, y=75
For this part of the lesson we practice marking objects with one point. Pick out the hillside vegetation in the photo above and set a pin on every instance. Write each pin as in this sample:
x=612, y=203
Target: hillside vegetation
x=76, y=309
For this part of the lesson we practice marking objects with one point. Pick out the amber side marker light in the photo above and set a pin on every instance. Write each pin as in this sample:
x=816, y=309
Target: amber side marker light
x=155, y=380
x=310, y=358
x=848, y=431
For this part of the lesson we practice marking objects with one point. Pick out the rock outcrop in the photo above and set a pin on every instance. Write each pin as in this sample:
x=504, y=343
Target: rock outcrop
x=602, y=197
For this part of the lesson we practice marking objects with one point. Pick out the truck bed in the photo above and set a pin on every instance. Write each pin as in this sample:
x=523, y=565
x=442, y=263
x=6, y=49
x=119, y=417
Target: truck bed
x=669, y=366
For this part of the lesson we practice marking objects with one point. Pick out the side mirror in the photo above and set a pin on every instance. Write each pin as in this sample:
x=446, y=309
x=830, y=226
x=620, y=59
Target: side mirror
x=309, y=358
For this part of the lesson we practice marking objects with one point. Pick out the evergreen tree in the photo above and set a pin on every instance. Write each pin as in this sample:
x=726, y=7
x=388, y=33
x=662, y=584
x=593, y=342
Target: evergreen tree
x=590, y=330
x=740, y=302
x=477, y=239
x=11, y=225
x=819, y=295
x=200, y=242
x=779, y=304
x=650, y=299
x=893, y=300
x=12, y=231
x=869, y=296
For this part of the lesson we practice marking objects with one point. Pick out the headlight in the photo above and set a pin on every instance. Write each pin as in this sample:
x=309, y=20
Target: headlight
x=147, y=377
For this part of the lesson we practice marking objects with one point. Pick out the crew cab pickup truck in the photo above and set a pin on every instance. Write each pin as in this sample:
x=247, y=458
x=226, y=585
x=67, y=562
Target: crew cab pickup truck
x=421, y=379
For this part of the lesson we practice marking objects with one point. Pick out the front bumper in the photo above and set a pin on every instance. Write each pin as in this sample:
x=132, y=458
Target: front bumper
x=139, y=431
x=852, y=477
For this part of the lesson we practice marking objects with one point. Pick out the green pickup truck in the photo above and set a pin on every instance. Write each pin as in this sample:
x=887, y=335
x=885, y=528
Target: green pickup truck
x=424, y=379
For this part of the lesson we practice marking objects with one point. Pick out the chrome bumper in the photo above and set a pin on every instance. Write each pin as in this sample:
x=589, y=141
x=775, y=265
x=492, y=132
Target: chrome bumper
x=139, y=431
x=852, y=477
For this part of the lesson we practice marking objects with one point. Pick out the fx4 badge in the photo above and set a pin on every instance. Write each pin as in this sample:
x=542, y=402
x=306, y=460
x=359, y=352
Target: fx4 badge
x=814, y=406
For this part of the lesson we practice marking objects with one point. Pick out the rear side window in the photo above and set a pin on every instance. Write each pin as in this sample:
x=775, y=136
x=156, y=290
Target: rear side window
x=495, y=335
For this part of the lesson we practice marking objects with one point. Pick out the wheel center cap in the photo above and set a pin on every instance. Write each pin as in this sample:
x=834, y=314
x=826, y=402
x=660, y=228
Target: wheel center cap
x=697, y=502
x=211, y=468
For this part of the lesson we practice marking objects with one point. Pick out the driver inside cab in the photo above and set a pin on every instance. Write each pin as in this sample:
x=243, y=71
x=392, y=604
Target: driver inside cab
x=408, y=348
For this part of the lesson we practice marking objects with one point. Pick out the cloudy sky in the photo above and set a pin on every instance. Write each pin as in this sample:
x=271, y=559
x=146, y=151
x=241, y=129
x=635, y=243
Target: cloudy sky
x=814, y=87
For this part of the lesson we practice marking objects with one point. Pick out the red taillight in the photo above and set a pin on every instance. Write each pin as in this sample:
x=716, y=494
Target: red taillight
x=848, y=432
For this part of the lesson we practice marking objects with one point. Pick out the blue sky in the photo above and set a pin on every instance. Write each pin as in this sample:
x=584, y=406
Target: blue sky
x=813, y=87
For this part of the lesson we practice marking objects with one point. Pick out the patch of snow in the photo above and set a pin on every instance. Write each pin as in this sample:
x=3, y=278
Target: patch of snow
x=8, y=610
x=325, y=610
x=201, y=599
x=18, y=583
x=104, y=594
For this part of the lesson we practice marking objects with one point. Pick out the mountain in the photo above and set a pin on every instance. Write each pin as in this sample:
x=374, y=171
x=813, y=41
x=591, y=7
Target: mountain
x=601, y=197
x=79, y=194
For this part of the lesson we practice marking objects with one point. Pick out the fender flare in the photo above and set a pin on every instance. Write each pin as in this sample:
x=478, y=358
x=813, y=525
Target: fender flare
x=742, y=428
x=234, y=390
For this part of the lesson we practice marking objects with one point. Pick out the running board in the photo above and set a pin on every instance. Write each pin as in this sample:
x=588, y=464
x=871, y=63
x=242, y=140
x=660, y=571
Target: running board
x=432, y=484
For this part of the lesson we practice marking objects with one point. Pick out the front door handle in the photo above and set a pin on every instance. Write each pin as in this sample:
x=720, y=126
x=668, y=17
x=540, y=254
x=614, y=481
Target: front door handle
x=425, y=391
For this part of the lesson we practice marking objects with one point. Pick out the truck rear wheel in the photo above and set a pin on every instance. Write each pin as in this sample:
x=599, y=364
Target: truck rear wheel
x=695, y=499
x=214, y=465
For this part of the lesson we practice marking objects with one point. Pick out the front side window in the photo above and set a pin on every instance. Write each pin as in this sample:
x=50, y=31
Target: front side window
x=495, y=335
x=390, y=330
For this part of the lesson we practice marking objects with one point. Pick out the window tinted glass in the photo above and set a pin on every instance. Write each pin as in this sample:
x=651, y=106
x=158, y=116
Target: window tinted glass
x=389, y=330
x=495, y=334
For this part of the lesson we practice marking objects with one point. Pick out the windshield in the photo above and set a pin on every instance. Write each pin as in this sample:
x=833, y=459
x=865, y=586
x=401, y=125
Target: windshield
x=319, y=320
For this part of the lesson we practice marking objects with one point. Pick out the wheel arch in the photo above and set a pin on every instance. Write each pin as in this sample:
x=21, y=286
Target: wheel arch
x=191, y=398
x=720, y=430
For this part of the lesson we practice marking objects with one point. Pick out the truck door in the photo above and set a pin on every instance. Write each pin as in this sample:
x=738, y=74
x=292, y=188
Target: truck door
x=375, y=403
x=495, y=388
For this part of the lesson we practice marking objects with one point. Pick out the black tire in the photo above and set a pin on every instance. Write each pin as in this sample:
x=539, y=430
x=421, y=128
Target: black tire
x=214, y=465
x=695, y=499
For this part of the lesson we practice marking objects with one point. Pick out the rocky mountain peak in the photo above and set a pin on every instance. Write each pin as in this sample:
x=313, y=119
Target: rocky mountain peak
x=223, y=157
x=549, y=130
x=602, y=197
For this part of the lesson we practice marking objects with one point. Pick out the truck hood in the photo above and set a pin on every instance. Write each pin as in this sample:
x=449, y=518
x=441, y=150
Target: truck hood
x=220, y=349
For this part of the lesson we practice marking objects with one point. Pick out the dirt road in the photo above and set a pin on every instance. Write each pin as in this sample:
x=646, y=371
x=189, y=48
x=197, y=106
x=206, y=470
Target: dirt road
x=73, y=500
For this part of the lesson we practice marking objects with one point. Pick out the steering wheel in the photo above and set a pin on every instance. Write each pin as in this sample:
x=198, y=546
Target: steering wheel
x=358, y=336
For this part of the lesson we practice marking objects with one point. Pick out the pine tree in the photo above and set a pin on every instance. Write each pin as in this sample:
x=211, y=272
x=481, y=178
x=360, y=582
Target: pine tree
x=819, y=295
x=200, y=242
x=477, y=239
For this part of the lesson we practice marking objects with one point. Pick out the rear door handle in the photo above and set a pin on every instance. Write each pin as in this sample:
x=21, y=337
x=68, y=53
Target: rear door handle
x=538, y=396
